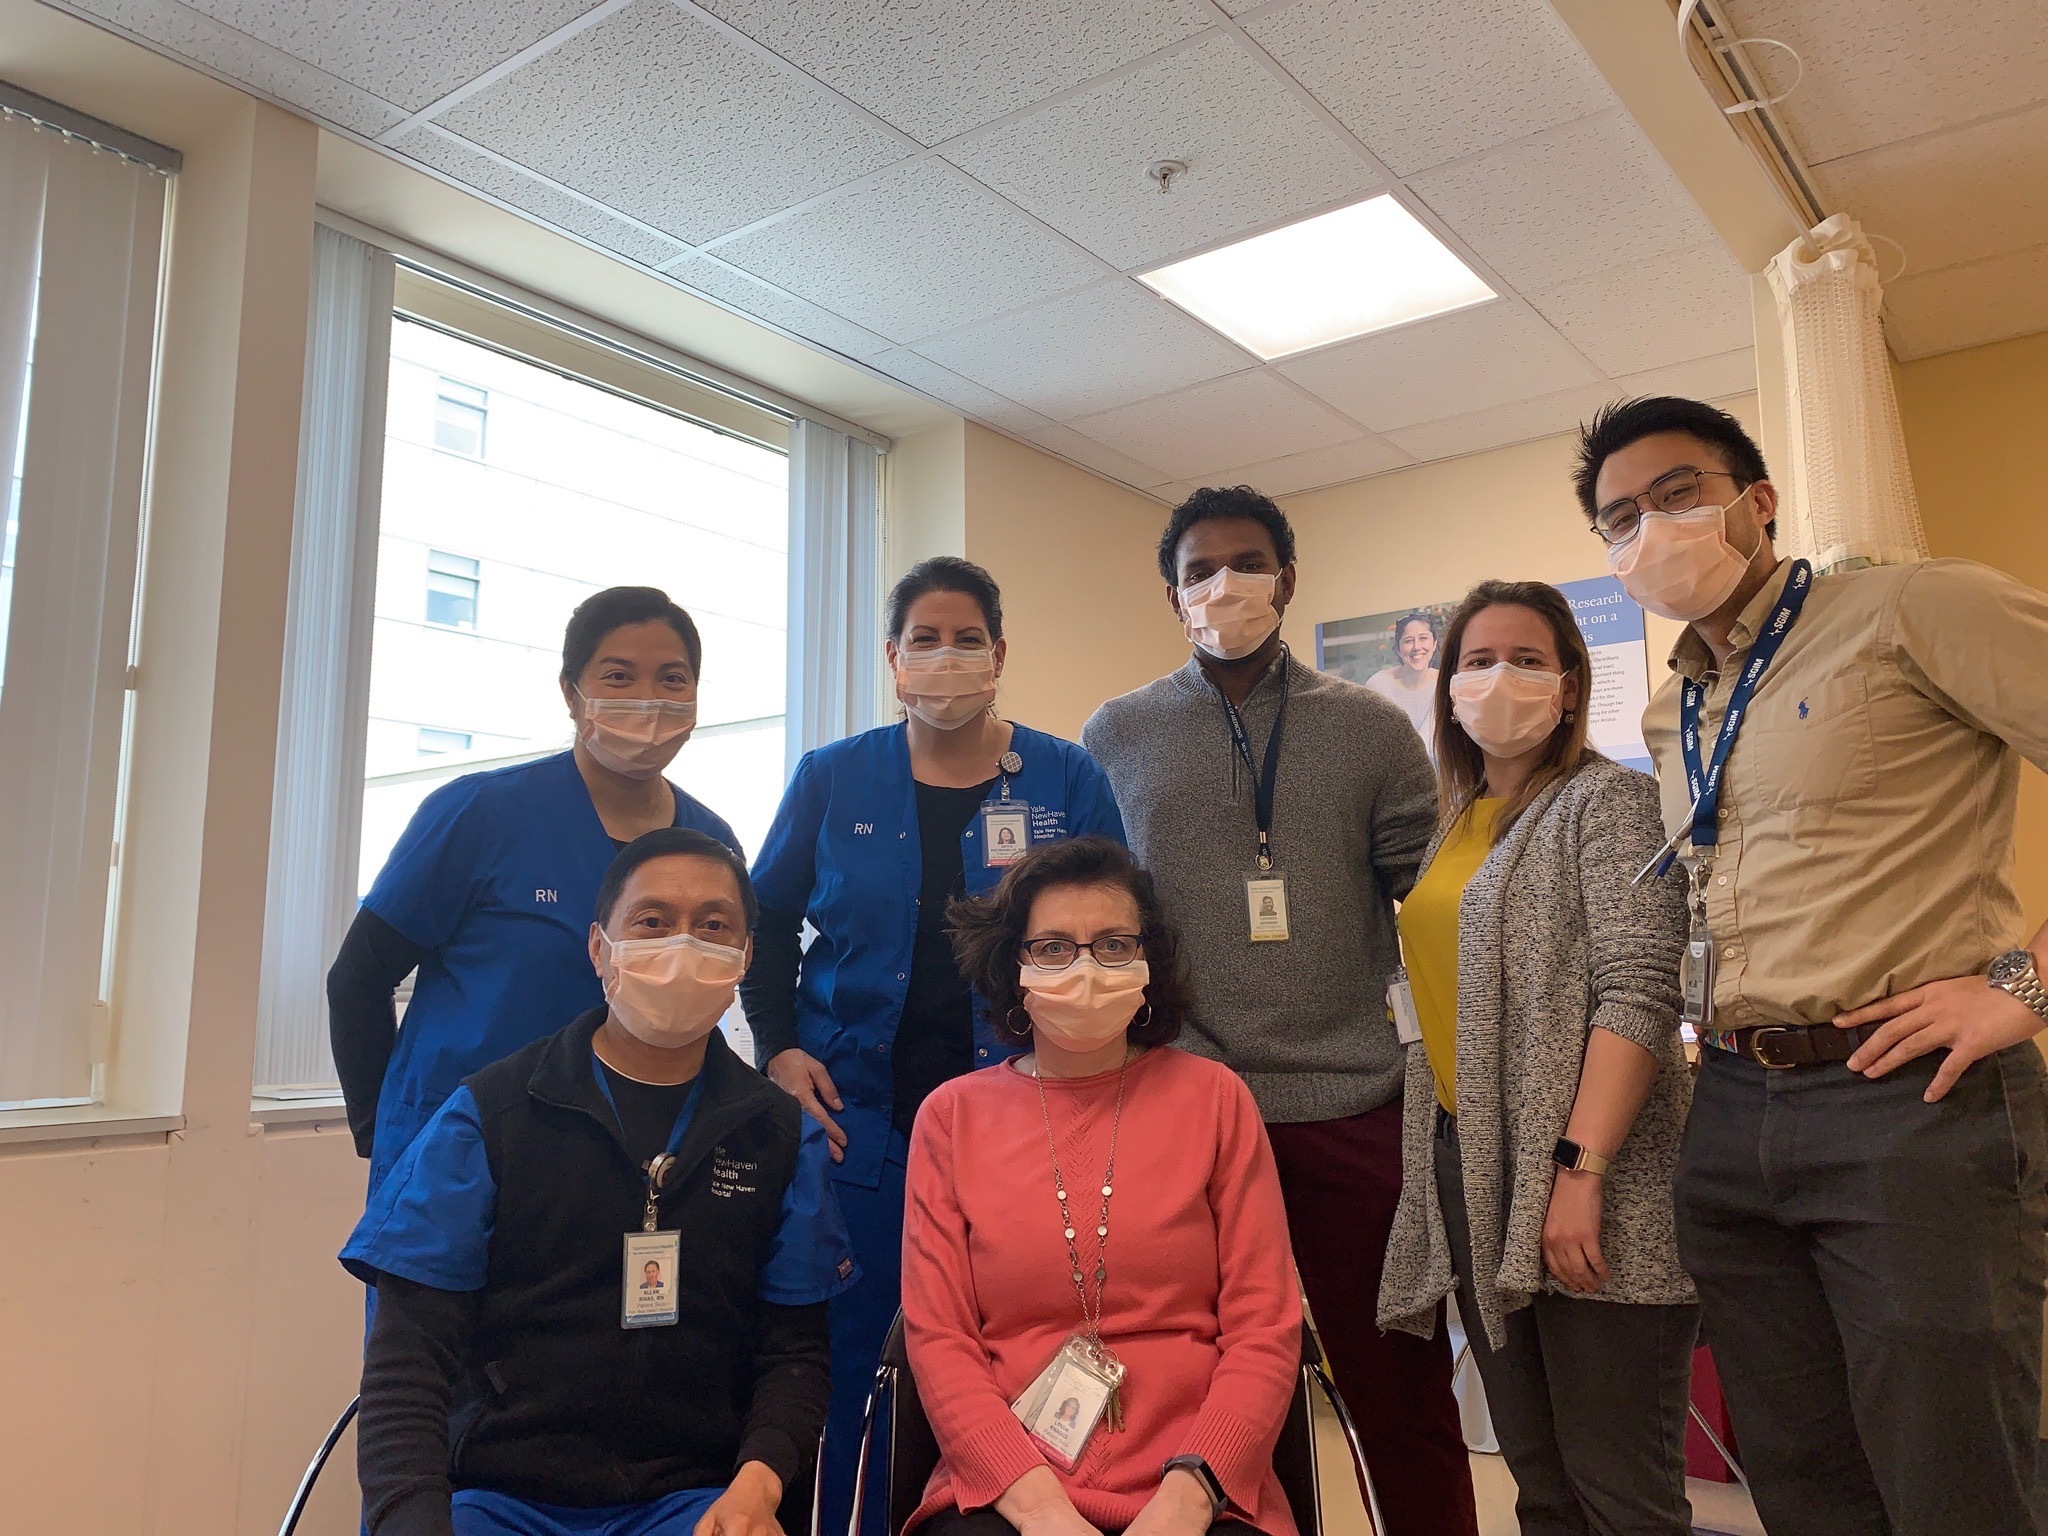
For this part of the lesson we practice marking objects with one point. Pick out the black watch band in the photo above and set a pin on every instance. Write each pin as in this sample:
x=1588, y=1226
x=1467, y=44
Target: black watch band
x=1207, y=1478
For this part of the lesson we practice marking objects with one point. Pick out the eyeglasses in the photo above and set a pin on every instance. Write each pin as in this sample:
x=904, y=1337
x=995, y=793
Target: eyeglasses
x=1676, y=490
x=1114, y=950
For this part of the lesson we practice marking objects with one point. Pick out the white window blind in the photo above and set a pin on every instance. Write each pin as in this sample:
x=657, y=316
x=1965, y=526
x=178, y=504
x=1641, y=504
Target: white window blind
x=81, y=238
x=835, y=587
x=316, y=807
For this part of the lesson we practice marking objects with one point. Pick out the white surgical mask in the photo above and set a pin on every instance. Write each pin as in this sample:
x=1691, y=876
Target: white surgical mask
x=636, y=737
x=1507, y=709
x=1680, y=564
x=1086, y=1005
x=1229, y=614
x=946, y=687
x=670, y=992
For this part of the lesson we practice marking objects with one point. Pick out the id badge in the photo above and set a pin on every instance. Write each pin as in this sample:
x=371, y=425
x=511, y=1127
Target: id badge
x=647, y=1292
x=1005, y=832
x=1401, y=1009
x=1068, y=1399
x=1266, y=905
x=1696, y=978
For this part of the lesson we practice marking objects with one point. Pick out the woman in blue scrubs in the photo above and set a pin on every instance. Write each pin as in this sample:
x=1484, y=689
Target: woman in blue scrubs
x=875, y=834
x=490, y=890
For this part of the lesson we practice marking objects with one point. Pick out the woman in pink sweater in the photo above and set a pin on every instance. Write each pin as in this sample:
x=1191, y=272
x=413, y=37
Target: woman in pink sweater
x=1100, y=1213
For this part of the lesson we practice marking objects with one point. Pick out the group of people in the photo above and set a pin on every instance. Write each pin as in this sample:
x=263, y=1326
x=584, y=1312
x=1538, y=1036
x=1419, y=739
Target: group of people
x=1389, y=1025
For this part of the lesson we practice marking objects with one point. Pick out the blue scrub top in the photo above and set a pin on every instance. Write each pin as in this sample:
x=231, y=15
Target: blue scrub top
x=497, y=875
x=844, y=851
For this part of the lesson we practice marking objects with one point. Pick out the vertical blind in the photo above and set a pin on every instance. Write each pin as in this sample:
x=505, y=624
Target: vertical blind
x=81, y=235
x=317, y=802
x=835, y=587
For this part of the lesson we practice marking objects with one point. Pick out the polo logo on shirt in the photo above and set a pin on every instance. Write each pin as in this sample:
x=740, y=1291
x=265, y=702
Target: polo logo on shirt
x=863, y=828
x=545, y=893
x=732, y=1176
x=1802, y=709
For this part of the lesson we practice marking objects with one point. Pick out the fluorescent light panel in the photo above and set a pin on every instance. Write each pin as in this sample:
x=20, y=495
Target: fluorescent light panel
x=1338, y=275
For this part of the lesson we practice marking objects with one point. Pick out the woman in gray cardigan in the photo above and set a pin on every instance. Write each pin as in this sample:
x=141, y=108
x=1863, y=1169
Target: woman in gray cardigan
x=1547, y=1093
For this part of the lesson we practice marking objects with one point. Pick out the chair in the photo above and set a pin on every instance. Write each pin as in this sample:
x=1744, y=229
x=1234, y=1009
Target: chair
x=913, y=1452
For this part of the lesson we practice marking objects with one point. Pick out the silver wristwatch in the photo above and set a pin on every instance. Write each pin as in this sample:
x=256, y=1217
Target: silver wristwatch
x=2015, y=972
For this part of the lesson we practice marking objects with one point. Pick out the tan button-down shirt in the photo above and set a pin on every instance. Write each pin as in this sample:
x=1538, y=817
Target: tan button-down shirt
x=1867, y=807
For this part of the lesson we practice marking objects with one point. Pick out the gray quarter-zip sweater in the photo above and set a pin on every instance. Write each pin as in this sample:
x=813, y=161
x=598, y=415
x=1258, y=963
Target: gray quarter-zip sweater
x=1304, y=1021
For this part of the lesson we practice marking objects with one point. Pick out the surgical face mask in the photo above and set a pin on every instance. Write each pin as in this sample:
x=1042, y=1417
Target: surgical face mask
x=636, y=737
x=1680, y=564
x=1086, y=1005
x=1230, y=614
x=670, y=992
x=1507, y=709
x=946, y=687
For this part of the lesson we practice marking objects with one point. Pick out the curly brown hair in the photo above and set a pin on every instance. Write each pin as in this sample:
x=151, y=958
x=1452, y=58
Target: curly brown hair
x=988, y=932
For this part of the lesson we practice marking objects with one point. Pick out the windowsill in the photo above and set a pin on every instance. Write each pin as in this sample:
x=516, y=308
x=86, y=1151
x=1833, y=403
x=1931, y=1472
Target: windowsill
x=325, y=1110
x=82, y=1122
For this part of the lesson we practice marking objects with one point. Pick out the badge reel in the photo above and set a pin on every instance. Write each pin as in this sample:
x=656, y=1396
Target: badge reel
x=1696, y=968
x=1005, y=823
x=1062, y=1408
x=647, y=1288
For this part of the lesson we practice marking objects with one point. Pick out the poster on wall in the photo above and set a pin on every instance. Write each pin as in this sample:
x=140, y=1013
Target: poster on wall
x=1395, y=655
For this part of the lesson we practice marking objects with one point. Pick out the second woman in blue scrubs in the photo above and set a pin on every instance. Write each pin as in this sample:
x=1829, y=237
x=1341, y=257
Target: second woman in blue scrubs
x=875, y=834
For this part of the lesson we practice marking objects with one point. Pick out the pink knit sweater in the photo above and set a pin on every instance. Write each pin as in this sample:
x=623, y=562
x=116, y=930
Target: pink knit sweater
x=1202, y=1305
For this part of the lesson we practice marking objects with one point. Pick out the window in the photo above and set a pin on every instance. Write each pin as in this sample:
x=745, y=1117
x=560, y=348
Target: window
x=460, y=411
x=451, y=590
x=438, y=743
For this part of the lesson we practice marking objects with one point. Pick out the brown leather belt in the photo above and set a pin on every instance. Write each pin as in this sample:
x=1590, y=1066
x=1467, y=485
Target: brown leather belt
x=1790, y=1045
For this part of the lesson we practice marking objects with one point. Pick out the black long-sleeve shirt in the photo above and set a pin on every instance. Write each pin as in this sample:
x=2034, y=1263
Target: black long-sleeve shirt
x=362, y=1019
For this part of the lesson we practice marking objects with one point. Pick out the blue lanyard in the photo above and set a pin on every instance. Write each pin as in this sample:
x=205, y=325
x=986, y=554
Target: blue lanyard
x=1704, y=783
x=675, y=1137
x=1262, y=782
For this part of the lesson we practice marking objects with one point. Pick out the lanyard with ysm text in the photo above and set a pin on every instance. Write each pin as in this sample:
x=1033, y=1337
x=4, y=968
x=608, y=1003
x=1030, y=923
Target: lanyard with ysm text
x=1263, y=780
x=1703, y=781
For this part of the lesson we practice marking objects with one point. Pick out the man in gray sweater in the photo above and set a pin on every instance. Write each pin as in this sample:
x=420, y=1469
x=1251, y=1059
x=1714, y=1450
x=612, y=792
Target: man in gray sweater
x=1283, y=812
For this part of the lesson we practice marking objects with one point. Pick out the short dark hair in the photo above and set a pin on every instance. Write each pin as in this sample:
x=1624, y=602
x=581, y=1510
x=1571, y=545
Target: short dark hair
x=614, y=608
x=1214, y=504
x=1616, y=425
x=1417, y=617
x=668, y=842
x=988, y=930
x=946, y=573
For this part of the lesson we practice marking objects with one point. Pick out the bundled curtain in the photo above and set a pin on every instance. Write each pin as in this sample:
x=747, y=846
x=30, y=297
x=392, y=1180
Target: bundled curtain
x=835, y=587
x=1850, y=491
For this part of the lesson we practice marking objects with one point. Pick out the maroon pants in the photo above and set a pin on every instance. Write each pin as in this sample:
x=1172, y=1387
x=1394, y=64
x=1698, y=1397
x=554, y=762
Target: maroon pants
x=1341, y=1180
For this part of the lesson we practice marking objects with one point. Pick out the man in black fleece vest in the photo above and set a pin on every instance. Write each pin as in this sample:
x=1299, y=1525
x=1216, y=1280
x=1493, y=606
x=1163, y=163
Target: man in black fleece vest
x=524, y=1374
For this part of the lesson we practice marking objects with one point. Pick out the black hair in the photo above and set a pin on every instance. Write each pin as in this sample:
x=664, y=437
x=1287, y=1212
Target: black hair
x=1417, y=617
x=668, y=842
x=988, y=930
x=614, y=608
x=946, y=573
x=1215, y=504
x=1616, y=425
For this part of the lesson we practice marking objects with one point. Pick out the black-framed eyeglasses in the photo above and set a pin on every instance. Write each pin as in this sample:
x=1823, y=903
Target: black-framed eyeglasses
x=1676, y=490
x=1114, y=950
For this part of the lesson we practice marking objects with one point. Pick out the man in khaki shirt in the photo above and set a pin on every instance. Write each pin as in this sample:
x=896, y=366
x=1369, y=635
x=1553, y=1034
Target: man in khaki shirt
x=1863, y=1191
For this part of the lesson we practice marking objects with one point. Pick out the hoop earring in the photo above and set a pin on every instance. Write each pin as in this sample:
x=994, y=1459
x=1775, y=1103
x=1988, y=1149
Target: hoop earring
x=1010, y=1020
x=1141, y=1018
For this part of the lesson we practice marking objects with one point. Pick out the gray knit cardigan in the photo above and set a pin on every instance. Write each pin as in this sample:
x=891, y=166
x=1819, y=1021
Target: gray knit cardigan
x=1553, y=942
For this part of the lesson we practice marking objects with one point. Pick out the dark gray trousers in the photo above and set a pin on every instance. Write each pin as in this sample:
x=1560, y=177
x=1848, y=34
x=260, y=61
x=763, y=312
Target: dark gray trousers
x=1871, y=1269
x=1588, y=1397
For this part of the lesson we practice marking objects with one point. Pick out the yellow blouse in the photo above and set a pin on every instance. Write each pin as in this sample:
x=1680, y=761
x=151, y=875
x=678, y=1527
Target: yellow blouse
x=1429, y=940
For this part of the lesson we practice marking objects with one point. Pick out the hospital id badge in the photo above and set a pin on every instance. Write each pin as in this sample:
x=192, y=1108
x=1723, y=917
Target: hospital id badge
x=1068, y=1399
x=1265, y=899
x=1005, y=832
x=1401, y=1009
x=1696, y=978
x=647, y=1293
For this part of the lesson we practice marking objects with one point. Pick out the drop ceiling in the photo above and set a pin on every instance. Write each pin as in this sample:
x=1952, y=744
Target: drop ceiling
x=954, y=195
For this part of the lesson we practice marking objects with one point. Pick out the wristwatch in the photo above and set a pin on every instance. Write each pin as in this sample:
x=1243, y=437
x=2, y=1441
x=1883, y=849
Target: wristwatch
x=1207, y=1478
x=2015, y=972
x=1568, y=1154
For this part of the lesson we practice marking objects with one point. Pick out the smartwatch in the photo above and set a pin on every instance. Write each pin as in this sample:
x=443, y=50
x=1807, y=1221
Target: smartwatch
x=1203, y=1475
x=2015, y=972
x=1569, y=1155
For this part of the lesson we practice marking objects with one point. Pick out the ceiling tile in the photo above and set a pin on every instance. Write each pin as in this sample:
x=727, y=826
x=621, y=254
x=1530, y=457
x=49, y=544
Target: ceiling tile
x=662, y=116
x=1569, y=202
x=1090, y=454
x=937, y=70
x=1958, y=196
x=1968, y=306
x=1245, y=418
x=1087, y=351
x=182, y=31
x=1322, y=466
x=964, y=395
x=494, y=178
x=1451, y=365
x=411, y=52
x=1256, y=155
x=918, y=250
x=1173, y=492
x=1426, y=84
x=1667, y=309
x=1882, y=70
x=1708, y=378
x=798, y=316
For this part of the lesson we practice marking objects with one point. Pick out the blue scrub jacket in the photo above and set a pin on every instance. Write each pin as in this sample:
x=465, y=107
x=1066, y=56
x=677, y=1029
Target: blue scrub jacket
x=497, y=875
x=844, y=851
